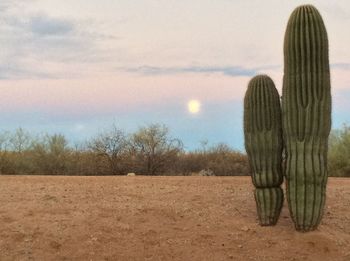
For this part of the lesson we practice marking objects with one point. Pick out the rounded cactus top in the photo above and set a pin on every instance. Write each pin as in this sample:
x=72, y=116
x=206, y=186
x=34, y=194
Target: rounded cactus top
x=261, y=105
x=306, y=42
x=259, y=80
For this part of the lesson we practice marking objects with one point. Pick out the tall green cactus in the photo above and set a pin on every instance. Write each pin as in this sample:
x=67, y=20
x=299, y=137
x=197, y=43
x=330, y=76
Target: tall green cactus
x=263, y=143
x=306, y=112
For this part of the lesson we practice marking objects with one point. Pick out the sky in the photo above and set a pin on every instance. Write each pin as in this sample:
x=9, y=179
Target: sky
x=77, y=67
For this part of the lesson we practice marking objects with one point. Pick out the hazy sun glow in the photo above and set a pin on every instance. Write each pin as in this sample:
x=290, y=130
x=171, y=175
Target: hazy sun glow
x=194, y=106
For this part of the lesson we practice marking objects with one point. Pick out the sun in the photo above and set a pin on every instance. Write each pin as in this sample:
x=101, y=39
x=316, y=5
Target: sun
x=194, y=106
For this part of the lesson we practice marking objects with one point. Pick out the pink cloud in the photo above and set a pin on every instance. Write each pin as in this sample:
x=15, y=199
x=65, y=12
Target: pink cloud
x=109, y=93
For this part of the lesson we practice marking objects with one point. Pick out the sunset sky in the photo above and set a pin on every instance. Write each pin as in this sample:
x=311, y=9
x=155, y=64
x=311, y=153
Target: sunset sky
x=75, y=67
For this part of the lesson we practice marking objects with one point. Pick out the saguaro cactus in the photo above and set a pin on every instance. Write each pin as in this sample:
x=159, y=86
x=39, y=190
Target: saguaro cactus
x=306, y=113
x=263, y=143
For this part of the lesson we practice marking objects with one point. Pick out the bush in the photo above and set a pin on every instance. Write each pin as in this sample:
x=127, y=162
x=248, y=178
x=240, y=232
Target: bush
x=148, y=151
x=221, y=159
x=339, y=152
x=153, y=151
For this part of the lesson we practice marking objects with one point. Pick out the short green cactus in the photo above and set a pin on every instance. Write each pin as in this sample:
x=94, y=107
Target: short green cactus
x=263, y=143
x=306, y=112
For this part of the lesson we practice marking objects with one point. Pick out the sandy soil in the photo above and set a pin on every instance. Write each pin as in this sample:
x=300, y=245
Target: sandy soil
x=158, y=218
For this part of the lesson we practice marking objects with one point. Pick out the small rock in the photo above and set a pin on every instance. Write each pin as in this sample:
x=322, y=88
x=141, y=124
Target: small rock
x=245, y=228
x=206, y=172
x=240, y=246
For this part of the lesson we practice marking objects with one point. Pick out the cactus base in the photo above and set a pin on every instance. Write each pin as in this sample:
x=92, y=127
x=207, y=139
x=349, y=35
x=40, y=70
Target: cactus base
x=269, y=202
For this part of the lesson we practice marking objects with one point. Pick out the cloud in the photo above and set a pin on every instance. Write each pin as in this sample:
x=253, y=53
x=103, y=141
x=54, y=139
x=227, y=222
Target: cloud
x=14, y=71
x=226, y=70
x=42, y=46
x=7, y=4
x=44, y=25
x=232, y=71
x=3, y=7
x=343, y=66
x=336, y=10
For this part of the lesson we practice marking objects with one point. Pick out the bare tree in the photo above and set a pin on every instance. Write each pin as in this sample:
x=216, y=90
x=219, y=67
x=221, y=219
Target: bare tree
x=4, y=146
x=19, y=146
x=20, y=141
x=153, y=149
x=111, y=146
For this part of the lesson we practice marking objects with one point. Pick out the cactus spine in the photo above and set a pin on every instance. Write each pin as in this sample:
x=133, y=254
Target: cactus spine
x=306, y=108
x=263, y=143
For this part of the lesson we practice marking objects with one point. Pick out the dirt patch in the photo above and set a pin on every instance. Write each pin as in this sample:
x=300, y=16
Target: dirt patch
x=158, y=218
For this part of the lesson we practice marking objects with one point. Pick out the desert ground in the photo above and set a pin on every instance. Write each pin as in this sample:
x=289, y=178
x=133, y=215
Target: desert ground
x=158, y=218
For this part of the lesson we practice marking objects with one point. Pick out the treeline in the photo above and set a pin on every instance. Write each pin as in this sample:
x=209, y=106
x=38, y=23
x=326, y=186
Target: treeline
x=148, y=151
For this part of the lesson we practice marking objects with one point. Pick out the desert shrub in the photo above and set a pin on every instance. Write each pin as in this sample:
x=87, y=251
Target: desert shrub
x=110, y=148
x=149, y=151
x=17, y=153
x=220, y=158
x=191, y=162
x=86, y=163
x=225, y=161
x=50, y=155
x=153, y=151
x=339, y=152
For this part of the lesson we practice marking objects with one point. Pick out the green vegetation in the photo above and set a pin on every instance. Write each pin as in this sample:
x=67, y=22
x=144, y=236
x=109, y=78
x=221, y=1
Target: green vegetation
x=263, y=142
x=339, y=152
x=306, y=108
x=149, y=151
x=110, y=153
